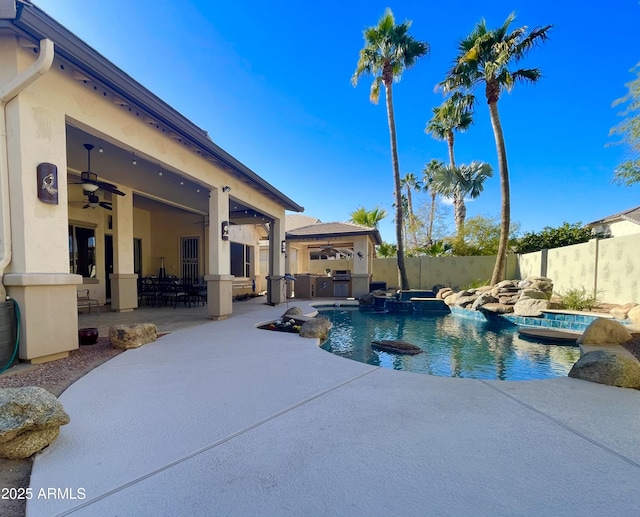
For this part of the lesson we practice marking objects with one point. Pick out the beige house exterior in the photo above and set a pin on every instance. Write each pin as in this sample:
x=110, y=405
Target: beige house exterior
x=187, y=206
x=621, y=224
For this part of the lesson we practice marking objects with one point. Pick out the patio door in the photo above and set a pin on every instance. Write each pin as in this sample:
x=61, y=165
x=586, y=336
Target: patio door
x=189, y=258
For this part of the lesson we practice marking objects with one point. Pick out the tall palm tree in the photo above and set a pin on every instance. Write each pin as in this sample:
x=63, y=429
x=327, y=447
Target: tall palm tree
x=370, y=218
x=484, y=58
x=410, y=182
x=429, y=174
x=460, y=182
x=455, y=114
x=387, y=52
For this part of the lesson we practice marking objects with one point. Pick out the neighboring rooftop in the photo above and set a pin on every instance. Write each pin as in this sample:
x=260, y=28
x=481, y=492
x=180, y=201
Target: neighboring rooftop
x=326, y=230
x=294, y=221
x=632, y=215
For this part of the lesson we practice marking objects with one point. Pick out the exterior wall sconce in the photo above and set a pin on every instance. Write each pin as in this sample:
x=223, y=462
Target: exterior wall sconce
x=225, y=230
x=47, y=183
x=360, y=255
x=226, y=188
x=283, y=246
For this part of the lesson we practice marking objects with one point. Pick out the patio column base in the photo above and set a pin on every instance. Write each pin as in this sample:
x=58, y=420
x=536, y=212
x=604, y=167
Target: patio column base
x=219, y=296
x=124, y=291
x=360, y=284
x=276, y=289
x=50, y=300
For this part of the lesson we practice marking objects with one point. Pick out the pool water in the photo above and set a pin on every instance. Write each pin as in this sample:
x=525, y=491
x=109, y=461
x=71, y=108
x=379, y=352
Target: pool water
x=453, y=346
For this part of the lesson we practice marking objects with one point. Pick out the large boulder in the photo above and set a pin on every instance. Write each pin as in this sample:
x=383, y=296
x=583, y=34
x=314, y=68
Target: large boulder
x=532, y=294
x=604, y=331
x=30, y=419
x=607, y=367
x=125, y=337
x=483, y=299
x=316, y=328
x=497, y=308
x=621, y=312
x=530, y=307
x=291, y=312
x=540, y=283
x=464, y=301
x=634, y=314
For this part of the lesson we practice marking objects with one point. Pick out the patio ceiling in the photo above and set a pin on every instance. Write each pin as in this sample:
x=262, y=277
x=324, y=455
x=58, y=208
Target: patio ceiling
x=150, y=181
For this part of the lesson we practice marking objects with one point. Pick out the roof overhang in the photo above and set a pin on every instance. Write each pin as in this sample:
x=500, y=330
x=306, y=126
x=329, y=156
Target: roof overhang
x=34, y=24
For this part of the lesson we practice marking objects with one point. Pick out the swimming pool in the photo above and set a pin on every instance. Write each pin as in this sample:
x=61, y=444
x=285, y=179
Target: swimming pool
x=453, y=346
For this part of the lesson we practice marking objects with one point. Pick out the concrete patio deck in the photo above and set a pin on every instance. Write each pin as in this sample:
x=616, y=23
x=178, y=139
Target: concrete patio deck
x=225, y=419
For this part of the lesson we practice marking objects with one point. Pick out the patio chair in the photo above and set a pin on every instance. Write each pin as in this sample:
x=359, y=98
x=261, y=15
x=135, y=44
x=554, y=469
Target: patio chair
x=174, y=292
x=84, y=300
x=148, y=292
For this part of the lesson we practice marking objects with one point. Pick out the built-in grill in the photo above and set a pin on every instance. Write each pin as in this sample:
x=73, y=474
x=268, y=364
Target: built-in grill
x=341, y=282
x=341, y=275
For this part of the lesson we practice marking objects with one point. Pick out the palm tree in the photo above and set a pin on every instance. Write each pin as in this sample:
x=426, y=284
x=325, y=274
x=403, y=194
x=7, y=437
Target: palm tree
x=460, y=182
x=386, y=250
x=484, y=57
x=455, y=114
x=429, y=174
x=370, y=218
x=387, y=52
x=411, y=183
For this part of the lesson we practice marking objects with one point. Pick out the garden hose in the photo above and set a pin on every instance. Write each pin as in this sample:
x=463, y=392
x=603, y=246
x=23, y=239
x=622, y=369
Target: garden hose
x=15, y=349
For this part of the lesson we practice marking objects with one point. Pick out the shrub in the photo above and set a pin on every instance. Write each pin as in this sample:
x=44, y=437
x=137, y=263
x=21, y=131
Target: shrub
x=474, y=284
x=577, y=300
x=549, y=237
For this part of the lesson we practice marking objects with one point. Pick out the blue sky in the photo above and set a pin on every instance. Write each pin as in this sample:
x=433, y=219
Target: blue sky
x=270, y=82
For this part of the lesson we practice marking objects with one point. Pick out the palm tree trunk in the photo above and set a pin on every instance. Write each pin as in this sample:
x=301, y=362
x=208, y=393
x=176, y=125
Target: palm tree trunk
x=431, y=217
x=505, y=220
x=404, y=281
x=450, y=141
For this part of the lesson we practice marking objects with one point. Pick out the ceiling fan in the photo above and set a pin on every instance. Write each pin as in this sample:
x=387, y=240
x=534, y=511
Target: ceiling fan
x=89, y=180
x=93, y=201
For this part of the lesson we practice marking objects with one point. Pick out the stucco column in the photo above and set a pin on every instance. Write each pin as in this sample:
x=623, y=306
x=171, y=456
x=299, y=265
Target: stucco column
x=37, y=276
x=276, y=285
x=219, y=280
x=361, y=275
x=124, y=286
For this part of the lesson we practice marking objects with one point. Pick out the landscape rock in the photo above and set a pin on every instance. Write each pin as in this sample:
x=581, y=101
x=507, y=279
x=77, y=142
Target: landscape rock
x=509, y=299
x=483, y=299
x=497, y=308
x=622, y=311
x=530, y=307
x=125, y=337
x=30, y=419
x=316, y=328
x=463, y=301
x=292, y=311
x=532, y=294
x=396, y=347
x=607, y=367
x=634, y=314
x=603, y=331
x=444, y=292
x=541, y=283
x=452, y=298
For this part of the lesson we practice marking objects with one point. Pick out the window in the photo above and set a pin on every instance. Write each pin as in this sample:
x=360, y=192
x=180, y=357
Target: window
x=241, y=260
x=82, y=251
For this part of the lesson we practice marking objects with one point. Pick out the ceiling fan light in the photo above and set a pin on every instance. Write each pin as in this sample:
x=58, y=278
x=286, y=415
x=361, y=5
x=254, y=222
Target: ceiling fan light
x=89, y=187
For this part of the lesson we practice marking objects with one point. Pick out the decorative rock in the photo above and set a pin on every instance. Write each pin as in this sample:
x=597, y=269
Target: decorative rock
x=452, y=298
x=622, y=311
x=463, y=301
x=603, y=331
x=507, y=283
x=125, y=337
x=606, y=367
x=292, y=311
x=30, y=419
x=444, y=292
x=365, y=299
x=396, y=347
x=316, y=328
x=497, y=308
x=509, y=300
x=530, y=307
x=483, y=299
x=634, y=314
x=532, y=294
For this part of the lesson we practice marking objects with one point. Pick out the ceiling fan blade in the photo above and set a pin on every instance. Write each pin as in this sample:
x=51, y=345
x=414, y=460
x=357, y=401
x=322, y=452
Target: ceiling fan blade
x=109, y=187
x=87, y=206
x=105, y=205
